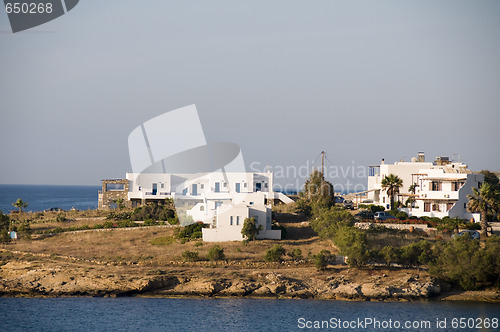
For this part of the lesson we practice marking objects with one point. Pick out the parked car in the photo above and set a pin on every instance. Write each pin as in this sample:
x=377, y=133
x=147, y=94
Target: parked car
x=364, y=215
x=339, y=199
x=472, y=234
x=383, y=215
x=348, y=204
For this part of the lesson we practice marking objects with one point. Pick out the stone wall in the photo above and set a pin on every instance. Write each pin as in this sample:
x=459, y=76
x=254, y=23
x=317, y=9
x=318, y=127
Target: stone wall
x=108, y=196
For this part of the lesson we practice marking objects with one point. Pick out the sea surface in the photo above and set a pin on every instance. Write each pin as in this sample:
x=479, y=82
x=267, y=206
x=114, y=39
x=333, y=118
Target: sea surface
x=155, y=314
x=42, y=197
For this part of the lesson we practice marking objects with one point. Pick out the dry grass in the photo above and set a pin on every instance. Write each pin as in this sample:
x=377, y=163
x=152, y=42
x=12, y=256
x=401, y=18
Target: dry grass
x=134, y=245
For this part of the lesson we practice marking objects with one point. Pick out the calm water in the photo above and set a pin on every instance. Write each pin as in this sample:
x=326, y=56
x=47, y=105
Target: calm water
x=40, y=198
x=142, y=314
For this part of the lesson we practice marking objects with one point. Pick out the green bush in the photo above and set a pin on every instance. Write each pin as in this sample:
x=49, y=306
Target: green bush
x=61, y=217
x=153, y=211
x=216, y=253
x=275, y=254
x=190, y=256
x=4, y=236
x=352, y=243
x=465, y=262
x=321, y=260
x=192, y=231
x=401, y=215
x=329, y=221
x=295, y=254
x=390, y=255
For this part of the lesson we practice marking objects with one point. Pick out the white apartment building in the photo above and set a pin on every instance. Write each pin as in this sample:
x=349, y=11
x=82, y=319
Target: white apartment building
x=441, y=187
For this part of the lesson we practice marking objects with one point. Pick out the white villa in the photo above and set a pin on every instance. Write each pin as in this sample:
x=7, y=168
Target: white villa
x=441, y=187
x=219, y=199
x=229, y=220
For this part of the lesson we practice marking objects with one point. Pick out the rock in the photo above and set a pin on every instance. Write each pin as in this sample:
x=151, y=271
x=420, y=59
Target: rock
x=374, y=291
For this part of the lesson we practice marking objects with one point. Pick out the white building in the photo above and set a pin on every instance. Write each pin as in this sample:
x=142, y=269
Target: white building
x=441, y=188
x=212, y=198
x=230, y=218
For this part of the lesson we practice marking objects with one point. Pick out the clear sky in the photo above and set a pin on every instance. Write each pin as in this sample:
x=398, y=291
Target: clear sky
x=362, y=80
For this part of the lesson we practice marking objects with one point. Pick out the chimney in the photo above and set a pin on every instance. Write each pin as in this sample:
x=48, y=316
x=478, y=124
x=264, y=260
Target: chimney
x=383, y=161
x=421, y=157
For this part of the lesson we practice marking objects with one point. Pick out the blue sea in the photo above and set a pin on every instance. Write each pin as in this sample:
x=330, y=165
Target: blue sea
x=155, y=314
x=42, y=197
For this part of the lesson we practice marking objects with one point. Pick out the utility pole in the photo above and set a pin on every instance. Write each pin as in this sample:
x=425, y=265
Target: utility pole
x=323, y=164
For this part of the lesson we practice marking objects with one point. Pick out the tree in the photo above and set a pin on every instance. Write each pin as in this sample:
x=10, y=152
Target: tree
x=250, y=229
x=318, y=193
x=412, y=189
x=491, y=178
x=485, y=201
x=391, y=184
x=20, y=204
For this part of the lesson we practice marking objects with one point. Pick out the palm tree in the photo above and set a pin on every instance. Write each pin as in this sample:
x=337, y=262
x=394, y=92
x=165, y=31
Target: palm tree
x=20, y=204
x=485, y=200
x=391, y=183
x=412, y=189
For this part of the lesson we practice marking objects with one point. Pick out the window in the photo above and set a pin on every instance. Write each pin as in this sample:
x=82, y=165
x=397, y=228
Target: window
x=244, y=185
x=237, y=220
x=383, y=199
x=454, y=186
x=435, y=207
x=162, y=185
x=224, y=184
x=202, y=208
x=265, y=185
x=427, y=207
x=231, y=220
x=436, y=186
x=202, y=186
x=115, y=186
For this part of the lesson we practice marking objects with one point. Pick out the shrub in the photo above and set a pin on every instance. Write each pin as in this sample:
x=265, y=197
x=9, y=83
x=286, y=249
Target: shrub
x=465, y=262
x=321, y=260
x=295, y=254
x=275, y=254
x=4, y=236
x=190, y=256
x=61, y=217
x=153, y=211
x=192, y=231
x=376, y=208
x=250, y=229
x=216, y=253
x=25, y=230
x=390, y=255
x=401, y=215
x=198, y=244
x=329, y=221
x=353, y=244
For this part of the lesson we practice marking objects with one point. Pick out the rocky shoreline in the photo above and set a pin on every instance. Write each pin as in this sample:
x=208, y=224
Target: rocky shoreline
x=50, y=279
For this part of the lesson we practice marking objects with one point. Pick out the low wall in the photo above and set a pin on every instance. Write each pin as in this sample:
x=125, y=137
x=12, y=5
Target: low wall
x=422, y=227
